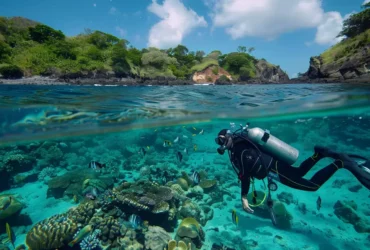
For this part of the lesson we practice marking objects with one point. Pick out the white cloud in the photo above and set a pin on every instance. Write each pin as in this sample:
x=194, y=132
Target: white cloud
x=328, y=30
x=366, y=1
x=271, y=18
x=265, y=18
x=121, y=31
x=177, y=22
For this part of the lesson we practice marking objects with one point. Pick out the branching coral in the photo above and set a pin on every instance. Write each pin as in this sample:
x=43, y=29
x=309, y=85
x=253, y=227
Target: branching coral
x=91, y=242
x=47, y=173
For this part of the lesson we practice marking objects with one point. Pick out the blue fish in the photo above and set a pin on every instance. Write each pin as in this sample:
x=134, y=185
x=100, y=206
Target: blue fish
x=135, y=221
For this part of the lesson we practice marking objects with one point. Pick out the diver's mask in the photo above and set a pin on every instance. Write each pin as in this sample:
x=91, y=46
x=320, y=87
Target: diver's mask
x=225, y=142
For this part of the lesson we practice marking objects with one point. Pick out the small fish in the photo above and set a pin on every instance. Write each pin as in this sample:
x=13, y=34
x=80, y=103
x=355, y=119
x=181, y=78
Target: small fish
x=96, y=166
x=318, y=203
x=148, y=147
x=176, y=140
x=186, y=151
x=10, y=233
x=195, y=177
x=213, y=229
x=81, y=235
x=179, y=156
x=142, y=151
x=90, y=196
x=7, y=203
x=135, y=221
x=194, y=135
x=75, y=198
x=194, y=128
x=155, y=130
x=235, y=217
x=195, y=147
x=167, y=143
x=201, y=132
x=63, y=145
x=185, y=136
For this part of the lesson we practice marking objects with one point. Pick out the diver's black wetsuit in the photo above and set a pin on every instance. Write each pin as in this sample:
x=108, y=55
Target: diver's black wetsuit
x=245, y=158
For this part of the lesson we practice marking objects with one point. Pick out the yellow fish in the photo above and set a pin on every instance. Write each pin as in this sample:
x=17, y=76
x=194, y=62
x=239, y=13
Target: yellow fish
x=195, y=147
x=194, y=128
x=166, y=142
x=75, y=198
x=194, y=134
x=81, y=235
x=235, y=217
x=10, y=234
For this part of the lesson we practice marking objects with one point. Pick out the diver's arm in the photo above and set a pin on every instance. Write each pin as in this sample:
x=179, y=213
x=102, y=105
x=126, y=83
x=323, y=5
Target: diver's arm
x=244, y=192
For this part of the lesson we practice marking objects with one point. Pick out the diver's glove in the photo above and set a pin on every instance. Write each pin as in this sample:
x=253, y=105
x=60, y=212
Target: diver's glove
x=246, y=206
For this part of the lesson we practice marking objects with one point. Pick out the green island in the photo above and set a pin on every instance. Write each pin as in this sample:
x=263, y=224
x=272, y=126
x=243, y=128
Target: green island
x=29, y=48
x=348, y=59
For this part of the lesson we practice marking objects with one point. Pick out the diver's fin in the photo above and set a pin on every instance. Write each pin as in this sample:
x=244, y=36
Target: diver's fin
x=361, y=172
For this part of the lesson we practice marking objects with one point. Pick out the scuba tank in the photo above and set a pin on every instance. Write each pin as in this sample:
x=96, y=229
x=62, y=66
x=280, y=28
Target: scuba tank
x=272, y=145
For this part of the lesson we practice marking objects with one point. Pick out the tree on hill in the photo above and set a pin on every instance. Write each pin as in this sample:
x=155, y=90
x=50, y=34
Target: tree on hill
x=242, y=49
x=42, y=33
x=356, y=23
x=366, y=5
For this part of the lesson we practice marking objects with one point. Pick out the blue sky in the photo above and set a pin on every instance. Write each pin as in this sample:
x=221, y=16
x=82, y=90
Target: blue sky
x=285, y=32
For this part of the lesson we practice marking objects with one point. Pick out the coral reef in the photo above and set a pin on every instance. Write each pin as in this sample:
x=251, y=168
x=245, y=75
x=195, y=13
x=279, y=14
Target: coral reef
x=72, y=183
x=46, y=174
x=52, y=233
x=156, y=238
x=14, y=207
x=91, y=242
x=190, y=232
x=154, y=203
x=174, y=245
x=346, y=211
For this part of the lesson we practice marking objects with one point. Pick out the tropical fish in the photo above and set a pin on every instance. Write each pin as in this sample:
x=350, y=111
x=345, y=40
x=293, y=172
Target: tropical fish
x=195, y=177
x=194, y=135
x=201, y=132
x=90, y=196
x=10, y=233
x=142, y=151
x=195, y=147
x=318, y=203
x=135, y=221
x=194, y=128
x=213, y=229
x=148, y=147
x=167, y=143
x=179, y=156
x=96, y=166
x=176, y=140
x=81, y=235
x=186, y=151
x=75, y=198
x=185, y=136
x=234, y=217
x=6, y=204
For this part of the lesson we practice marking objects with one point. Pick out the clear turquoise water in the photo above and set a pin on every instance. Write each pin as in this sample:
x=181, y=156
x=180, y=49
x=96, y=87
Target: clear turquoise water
x=111, y=124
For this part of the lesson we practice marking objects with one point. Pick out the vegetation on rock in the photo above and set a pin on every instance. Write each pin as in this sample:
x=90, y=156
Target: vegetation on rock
x=28, y=48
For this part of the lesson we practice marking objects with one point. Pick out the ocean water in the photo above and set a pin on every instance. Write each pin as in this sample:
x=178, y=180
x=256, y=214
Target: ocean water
x=50, y=134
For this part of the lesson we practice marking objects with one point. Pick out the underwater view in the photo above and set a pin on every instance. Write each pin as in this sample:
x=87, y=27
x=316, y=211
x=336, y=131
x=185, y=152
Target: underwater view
x=84, y=167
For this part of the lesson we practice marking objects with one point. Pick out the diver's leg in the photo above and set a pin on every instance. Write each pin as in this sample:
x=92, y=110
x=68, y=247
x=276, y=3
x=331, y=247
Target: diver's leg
x=320, y=153
x=294, y=180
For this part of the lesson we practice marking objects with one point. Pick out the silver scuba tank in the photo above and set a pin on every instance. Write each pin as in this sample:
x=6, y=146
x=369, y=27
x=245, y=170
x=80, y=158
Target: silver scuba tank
x=272, y=145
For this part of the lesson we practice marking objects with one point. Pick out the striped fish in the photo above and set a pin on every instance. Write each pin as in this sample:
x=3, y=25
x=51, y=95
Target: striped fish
x=235, y=217
x=10, y=234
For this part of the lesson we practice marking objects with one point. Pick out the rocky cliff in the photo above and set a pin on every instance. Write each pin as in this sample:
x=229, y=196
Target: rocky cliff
x=265, y=72
x=347, y=61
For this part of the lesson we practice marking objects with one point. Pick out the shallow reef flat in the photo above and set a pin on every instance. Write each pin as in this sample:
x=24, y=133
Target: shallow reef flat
x=145, y=196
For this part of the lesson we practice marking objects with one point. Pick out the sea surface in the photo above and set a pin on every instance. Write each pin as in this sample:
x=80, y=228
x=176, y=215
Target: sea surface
x=140, y=133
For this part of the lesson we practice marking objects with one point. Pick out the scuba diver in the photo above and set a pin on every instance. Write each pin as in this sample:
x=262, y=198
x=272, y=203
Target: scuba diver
x=255, y=153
